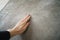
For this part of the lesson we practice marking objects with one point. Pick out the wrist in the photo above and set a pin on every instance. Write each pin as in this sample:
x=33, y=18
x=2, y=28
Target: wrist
x=11, y=32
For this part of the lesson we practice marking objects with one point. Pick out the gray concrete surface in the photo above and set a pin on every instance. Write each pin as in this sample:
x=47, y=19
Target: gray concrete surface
x=45, y=22
x=3, y=3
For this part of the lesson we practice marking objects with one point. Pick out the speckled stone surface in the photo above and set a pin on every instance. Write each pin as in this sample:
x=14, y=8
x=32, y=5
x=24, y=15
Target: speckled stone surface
x=45, y=22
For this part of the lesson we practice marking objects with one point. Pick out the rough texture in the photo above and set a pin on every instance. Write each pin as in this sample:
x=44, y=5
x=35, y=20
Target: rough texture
x=45, y=22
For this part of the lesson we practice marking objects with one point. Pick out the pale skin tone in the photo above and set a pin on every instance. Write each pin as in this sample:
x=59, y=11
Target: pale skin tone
x=20, y=27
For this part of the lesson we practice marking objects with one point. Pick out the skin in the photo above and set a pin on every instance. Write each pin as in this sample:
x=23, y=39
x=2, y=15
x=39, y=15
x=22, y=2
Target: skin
x=20, y=27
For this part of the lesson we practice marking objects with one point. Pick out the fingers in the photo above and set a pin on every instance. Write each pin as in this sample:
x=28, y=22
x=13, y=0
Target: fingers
x=24, y=28
x=26, y=19
x=27, y=24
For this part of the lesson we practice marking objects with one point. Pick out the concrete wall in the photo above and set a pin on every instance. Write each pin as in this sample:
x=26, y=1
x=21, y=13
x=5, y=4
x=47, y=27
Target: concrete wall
x=45, y=22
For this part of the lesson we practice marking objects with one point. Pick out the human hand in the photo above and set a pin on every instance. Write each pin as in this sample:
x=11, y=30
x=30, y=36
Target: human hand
x=20, y=26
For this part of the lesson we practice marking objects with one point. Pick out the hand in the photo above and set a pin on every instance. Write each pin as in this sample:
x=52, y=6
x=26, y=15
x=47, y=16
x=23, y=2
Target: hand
x=20, y=26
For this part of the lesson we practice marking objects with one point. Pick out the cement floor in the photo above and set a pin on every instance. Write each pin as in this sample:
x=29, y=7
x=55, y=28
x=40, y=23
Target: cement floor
x=45, y=22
